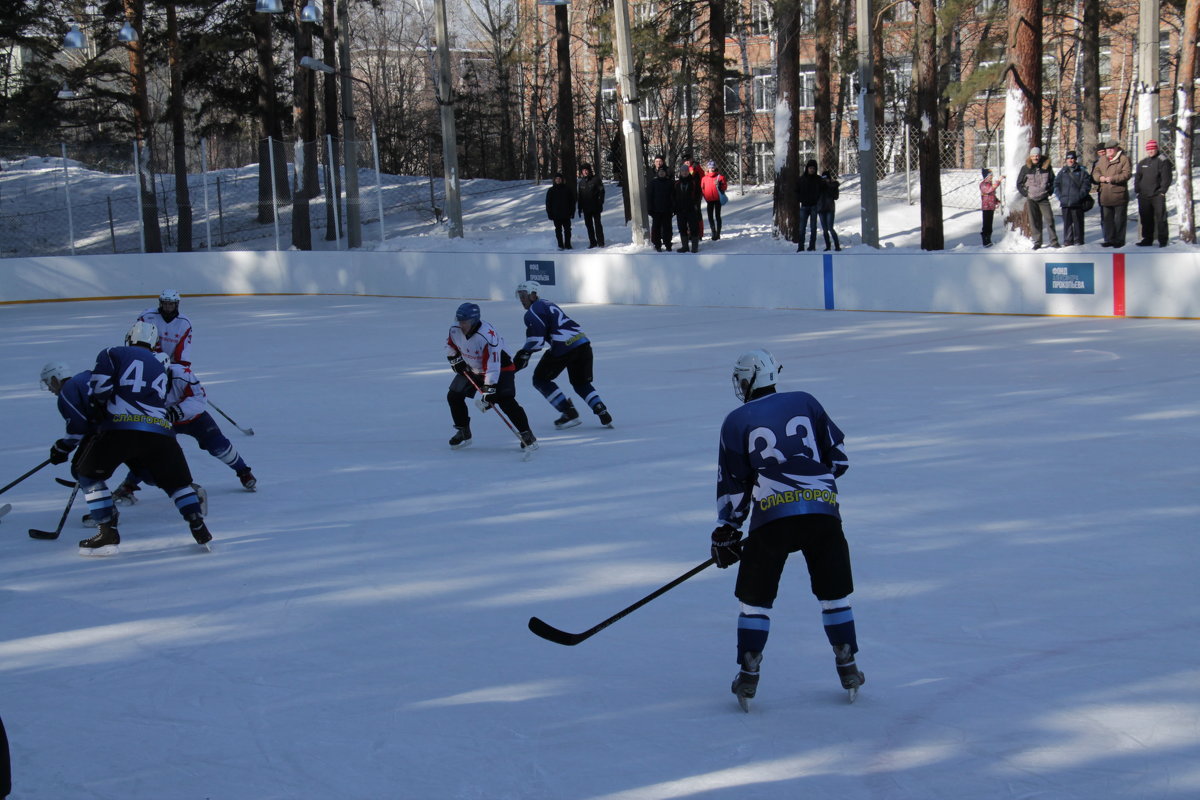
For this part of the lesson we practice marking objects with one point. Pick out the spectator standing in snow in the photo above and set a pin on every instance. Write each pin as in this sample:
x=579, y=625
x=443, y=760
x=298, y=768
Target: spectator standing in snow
x=827, y=208
x=591, y=204
x=1035, y=182
x=560, y=208
x=1112, y=174
x=660, y=195
x=1150, y=183
x=808, y=192
x=712, y=187
x=1073, y=188
x=988, y=203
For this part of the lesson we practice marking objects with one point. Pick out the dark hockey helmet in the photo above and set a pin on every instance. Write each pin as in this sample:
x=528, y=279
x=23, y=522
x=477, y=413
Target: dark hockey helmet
x=467, y=311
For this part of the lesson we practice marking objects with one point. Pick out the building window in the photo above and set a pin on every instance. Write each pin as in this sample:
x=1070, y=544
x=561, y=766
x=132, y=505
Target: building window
x=762, y=17
x=808, y=88
x=733, y=100
x=1105, y=62
x=764, y=90
x=808, y=151
x=644, y=13
x=608, y=100
x=651, y=106
x=688, y=102
x=764, y=161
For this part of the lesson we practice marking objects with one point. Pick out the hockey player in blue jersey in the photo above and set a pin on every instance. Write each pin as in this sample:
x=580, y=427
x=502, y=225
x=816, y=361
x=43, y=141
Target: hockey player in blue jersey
x=129, y=391
x=780, y=455
x=75, y=405
x=570, y=349
x=187, y=410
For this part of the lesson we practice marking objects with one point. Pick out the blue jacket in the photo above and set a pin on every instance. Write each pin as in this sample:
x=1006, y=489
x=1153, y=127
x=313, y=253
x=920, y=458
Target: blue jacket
x=1071, y=186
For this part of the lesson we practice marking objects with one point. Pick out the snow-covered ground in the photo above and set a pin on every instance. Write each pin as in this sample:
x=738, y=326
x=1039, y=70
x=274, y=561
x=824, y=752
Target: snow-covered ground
x=1021, y=506
x=498, y=216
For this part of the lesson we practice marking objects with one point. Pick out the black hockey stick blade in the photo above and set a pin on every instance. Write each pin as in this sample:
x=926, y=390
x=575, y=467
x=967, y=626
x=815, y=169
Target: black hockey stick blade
x=65, y=482
x=34, y=533
x=553, y=634
x=4, y=509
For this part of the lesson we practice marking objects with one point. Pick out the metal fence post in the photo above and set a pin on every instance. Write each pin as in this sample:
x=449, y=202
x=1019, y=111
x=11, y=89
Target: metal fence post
x=137, y=179
x=67, y=190
x=274, y=189
x=204, y=183
x=378, y=181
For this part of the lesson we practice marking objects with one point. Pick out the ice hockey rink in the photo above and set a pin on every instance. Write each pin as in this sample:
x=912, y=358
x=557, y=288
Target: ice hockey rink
x=1022, y=508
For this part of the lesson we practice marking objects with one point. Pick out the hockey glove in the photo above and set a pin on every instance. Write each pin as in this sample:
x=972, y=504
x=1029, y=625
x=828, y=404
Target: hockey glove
x=457, y=364
x=60, y=451
x=521, y=359
x=174, y=415
x=487, y=395
x=726, y=546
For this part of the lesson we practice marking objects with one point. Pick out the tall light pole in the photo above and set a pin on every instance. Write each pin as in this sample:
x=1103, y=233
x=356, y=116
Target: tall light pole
x=449, y=135
x=868, y=187
x=631, y=124
x=1148, y=85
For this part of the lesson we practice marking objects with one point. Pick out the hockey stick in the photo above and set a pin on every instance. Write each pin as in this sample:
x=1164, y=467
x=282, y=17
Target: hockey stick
x=553, y=634
x=26, y=475
x=247, y=431
x=34, y=533
x=4, y=509
x=495, y=408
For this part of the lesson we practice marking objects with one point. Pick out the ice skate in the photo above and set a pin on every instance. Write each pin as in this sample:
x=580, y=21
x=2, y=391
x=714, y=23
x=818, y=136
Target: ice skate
x=745, y=684
x=528, y=441
x=461, y=437
x=124, y=495
x=249, y=482
x=848, y=671
x=104, y=543
x=569, y=419
x=602, y=412
x=199, y=530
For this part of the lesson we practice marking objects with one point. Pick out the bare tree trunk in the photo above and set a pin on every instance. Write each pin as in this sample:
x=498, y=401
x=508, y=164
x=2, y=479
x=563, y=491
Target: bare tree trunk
x=1089, y=68
x=787, y=139
x=269, y=119
x=928, y=145
x=135, y=10
x=329, y=99
x=1185, y=122
x=566, y=106
x=183, y=197
x=1023, y=120
x=716, y=81
x=823, y=95
x=302, y=129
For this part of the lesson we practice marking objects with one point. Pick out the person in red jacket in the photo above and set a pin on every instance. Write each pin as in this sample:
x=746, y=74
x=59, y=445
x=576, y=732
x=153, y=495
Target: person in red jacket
x=712, y=187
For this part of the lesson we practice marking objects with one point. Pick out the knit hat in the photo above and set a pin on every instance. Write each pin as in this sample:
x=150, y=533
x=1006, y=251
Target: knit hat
x=711, y=165
x=812, y=162
x=1035, y=151
x=1071, y=154
x=986, y=172
x=1151, y=145
x=585, y=165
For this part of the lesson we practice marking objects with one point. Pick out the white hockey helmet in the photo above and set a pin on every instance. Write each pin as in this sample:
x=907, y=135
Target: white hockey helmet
x=528, y=287
x=754, y=370
x=168, y=296
x=142, y=333
x=54, y=369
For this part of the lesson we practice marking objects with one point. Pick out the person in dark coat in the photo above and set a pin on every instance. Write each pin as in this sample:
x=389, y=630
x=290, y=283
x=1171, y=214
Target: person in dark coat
x=687, y=209
x=591, y=203
x=808, y=191
x=827, y=207
x=660, y=195
x=1035, y=182
x=560, y=208
x=1072, y=187
x=1151, y=180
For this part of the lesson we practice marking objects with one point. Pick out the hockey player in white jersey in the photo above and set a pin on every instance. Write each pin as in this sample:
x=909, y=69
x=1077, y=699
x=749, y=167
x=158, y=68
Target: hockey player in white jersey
x=476, y=354
x=780, y=455
x=174, y=329
x=570, y=350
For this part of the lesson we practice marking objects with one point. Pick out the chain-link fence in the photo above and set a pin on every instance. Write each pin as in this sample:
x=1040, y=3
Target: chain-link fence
x=64, y=199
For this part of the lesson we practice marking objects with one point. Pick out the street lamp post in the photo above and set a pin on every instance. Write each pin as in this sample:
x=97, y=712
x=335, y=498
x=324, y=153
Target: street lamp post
x=449, y=134
x=631, y=124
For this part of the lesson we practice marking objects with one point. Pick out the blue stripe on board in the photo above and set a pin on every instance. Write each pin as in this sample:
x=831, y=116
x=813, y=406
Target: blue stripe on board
x=827, y=258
